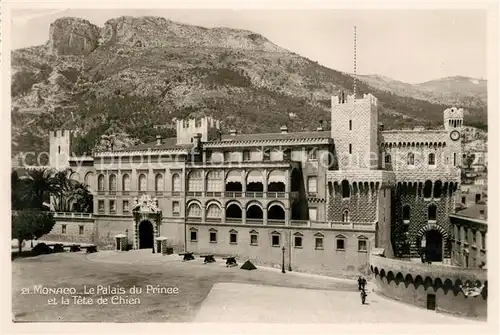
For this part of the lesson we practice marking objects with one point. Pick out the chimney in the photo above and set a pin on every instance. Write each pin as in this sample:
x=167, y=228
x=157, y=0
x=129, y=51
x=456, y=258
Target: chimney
x=284, y=129
x=232, y=132
x=158, y=139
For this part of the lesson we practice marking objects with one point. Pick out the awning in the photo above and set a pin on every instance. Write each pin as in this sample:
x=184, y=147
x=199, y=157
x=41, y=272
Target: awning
x=255, y=177
x=277, y=176
x=234, y=177
x=120, y=236
x=161, y=238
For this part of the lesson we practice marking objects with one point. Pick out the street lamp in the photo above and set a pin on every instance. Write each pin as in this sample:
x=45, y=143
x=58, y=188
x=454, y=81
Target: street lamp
x=283, y=263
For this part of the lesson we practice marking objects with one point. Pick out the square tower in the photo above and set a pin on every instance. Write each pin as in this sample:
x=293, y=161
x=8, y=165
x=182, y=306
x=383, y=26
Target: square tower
x=60, y=149
x=188, y=128
x=355, y=131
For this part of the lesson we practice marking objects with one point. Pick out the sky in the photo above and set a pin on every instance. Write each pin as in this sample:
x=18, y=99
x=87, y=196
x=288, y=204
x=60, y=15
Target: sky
x=412, y=46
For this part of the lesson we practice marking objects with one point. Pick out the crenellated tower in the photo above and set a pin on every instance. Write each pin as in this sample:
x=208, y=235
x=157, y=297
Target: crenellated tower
x=60, y=148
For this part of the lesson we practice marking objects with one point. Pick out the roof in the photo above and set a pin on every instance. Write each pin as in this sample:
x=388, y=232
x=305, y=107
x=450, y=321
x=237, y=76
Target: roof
x=275, y=136
x=474, y=212
x=166, y=143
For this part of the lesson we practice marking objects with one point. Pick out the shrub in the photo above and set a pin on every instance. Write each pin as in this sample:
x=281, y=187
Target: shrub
x=41, y=249
x=58, y=248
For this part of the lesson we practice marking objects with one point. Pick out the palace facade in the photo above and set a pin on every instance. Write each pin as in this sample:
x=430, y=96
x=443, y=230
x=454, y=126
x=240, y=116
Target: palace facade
x=326, y=197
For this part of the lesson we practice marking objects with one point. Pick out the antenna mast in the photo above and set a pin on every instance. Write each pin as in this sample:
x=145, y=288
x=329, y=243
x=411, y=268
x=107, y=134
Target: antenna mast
x=355, y=75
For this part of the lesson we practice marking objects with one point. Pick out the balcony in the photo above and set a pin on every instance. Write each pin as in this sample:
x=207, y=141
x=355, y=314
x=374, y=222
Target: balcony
x=240, y=194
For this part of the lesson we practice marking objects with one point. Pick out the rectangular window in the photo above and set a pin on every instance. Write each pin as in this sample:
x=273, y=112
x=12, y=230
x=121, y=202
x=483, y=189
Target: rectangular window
x=298, y=241
x=340, y=244
x=473, y=237
x=318, y=242
x=454, y=159
x=101, y=205
x=313, y=214
x=350, y=124
x=176, y=208
x=233, y=238
x=388, y=159
x=483, y=241
x=312, y=183
x=362, y=245
x=246, y=155
x=125, y=206
x=112, y=206
x=194, y=236
x=254, y=239
x=63, y=229
x=275, y=241
x=350, y=148
x=478, y=198
x=266, y=154
x=463, y=200
x=80, y=230
x=213, y=237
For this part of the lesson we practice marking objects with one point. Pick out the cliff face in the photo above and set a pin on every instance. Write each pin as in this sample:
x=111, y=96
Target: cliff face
x=72, y=36
x=136, y=74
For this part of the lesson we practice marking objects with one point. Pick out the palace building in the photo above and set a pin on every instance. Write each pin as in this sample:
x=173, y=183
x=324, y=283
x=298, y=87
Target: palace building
x=326, y=197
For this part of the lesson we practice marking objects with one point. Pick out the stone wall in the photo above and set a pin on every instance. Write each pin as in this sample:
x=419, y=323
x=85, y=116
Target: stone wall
x=307, y=258
x=107, y=227
x=72, y=233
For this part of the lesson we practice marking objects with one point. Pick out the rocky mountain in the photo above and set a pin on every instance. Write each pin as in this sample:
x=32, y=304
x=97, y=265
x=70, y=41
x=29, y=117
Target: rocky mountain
x=129, y=79
x=460, y=91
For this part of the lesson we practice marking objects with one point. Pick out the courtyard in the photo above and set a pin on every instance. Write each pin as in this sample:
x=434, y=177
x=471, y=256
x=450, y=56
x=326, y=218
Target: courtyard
x=176, y=291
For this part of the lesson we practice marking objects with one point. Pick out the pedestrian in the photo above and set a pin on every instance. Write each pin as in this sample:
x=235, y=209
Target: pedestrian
x=360, y=281
x=363, y=297
x=363, y=283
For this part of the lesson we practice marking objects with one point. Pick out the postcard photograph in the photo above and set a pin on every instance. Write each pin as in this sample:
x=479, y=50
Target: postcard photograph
x=252, y=165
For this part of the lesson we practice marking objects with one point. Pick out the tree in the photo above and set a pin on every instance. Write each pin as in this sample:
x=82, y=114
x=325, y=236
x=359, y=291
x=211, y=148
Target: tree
x=37, y=187
x=31, y=224
x=81, y=198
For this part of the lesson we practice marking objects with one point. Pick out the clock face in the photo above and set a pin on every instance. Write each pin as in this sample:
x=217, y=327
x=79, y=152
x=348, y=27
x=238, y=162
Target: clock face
x=455, y=135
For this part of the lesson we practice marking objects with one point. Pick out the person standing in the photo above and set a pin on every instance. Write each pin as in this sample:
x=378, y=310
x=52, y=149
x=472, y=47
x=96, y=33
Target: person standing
x=363, y=297
x=360, y=281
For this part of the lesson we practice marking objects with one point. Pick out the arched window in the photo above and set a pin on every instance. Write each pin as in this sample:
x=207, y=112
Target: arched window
x=406, y=213
x=215, y=182
x=112, y=182
x=432, y=159
x=176, y=183
x=126, y=183
x=428, y=189
x=194, y=211
x=100, y=183
x=345, y=216
x=88, y=180
x=438, y=185
x=410, y=160
x=159, y=183
x=346, y=190
x=431, y=212
x=194, y=181
x=143, y=183
x=213, y=211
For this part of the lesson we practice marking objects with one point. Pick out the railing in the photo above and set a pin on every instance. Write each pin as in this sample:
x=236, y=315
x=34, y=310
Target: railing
x=276, y=222
x=72, y=215
x=255, y=221
x=211, y=194
x=240, y=162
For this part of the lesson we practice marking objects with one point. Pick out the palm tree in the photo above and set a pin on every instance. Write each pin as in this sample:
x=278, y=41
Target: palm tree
x=81, y=198
x=64, y=187
x=37, y=187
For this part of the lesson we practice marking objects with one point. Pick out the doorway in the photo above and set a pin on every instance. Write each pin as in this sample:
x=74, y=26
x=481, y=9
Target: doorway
x=431, y=302
x=434, y=245
x=146, y=238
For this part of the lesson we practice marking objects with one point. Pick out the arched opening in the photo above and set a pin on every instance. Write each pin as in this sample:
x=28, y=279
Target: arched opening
x=275, y=212
x=255, y=181
x=255, y=212
x=438, y=189
x=176, y=183
x=346, y=191
x=89, y=180
x=233, y=182
x=345, y=216
x=434, y=245
x=159, y=183
x=233, y=211
x=195, y=181
x=112, y=182
x=126, y=183
x=146, y=237
x=428, y=189
x=194, y=211
x=100, y=183
x=276, y=181
x=213, y=211
x=406, y=213
x=142, y=183
x=214, y=181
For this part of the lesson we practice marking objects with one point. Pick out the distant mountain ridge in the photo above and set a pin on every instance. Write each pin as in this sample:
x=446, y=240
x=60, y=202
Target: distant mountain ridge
x=136, y=73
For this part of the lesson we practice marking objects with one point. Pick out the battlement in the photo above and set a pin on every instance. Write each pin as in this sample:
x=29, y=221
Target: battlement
x=60, y=133
x=350, y=99
x=453, y=113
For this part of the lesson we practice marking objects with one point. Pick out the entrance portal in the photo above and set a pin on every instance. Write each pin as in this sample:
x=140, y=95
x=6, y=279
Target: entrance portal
x=146, y=236
x=434, y=245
